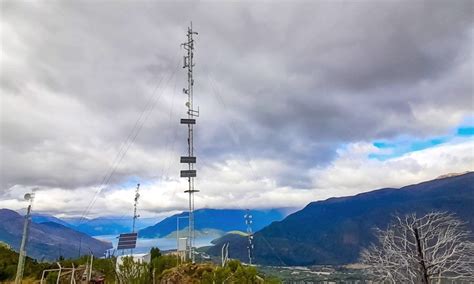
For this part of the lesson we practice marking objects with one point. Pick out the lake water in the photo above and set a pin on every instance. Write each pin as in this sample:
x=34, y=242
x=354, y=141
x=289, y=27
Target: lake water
x=144, y=245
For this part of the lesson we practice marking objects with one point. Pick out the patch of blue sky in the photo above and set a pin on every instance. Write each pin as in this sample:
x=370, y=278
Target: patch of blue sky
x=384, y=145
x=131, y=182
x=401, y=146
x=465, y=131
x=467, y=127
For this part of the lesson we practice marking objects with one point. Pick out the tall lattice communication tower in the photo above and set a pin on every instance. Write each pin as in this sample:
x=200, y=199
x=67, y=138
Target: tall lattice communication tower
x=190, y=121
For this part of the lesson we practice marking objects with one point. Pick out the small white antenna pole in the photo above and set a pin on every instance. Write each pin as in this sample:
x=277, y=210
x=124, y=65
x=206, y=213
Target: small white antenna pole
x=135, y=204
x=135, y=214
x=90, y=269
x=248, y=222
x=21, y=259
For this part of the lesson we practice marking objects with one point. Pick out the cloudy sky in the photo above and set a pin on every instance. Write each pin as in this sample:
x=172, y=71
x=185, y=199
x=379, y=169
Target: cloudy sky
x=299, y=101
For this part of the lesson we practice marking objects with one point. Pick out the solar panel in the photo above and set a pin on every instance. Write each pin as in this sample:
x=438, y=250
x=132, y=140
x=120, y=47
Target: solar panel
x=188, y=121
x=188, y=160
x=127, y=241
x=188, y=173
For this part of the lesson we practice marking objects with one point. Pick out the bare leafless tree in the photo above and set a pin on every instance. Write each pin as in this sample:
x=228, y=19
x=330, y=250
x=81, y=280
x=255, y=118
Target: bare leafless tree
x=421, y=250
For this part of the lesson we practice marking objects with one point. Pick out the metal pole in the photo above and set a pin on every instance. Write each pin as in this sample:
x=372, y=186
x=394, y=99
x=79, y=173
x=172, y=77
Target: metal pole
x=177, y=235
x=59, y=273
x=90, y=269
x=190, y=140
x=73, y=280
x=24, y=239
x=80, y=245
x=177, y=241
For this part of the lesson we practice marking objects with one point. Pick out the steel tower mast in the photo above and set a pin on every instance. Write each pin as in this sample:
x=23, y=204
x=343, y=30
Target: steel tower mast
x=190, y=121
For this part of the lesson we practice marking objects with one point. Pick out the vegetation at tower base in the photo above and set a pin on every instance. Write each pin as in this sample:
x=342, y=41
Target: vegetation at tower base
x=9, y=262
x=208, y=273
x=335, y=231
x=34, y=269
x=164, y=269
x=161, y=269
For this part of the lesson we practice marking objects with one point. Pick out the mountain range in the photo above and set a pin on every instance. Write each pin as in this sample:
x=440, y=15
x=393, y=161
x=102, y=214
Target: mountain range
x=51, y=237
x=334, y=231
x=218, y=220
x=224, y=220
x=97, y=226
x=48, y=240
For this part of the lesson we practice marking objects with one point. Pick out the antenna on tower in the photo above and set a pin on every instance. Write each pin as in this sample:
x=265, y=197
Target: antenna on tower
x=135, y=215
x=248, y=221
x=190, y=121
x=21, y=259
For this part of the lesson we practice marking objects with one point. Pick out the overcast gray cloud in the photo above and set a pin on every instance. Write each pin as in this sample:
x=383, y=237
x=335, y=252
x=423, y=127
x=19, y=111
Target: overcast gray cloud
x=281, y=88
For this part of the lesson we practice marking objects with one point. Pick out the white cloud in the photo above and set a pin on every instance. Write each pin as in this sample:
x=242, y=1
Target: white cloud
x=353, y=172
x=253, y=184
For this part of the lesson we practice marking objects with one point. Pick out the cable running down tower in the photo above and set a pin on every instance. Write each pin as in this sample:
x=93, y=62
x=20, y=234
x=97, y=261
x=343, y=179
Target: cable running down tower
x=190, y=121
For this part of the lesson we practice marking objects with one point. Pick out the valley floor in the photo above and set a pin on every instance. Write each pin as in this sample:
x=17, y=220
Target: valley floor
x=315, y=274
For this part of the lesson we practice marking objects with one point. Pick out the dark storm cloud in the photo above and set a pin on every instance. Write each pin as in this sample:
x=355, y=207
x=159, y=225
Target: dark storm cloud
x=284, y=81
